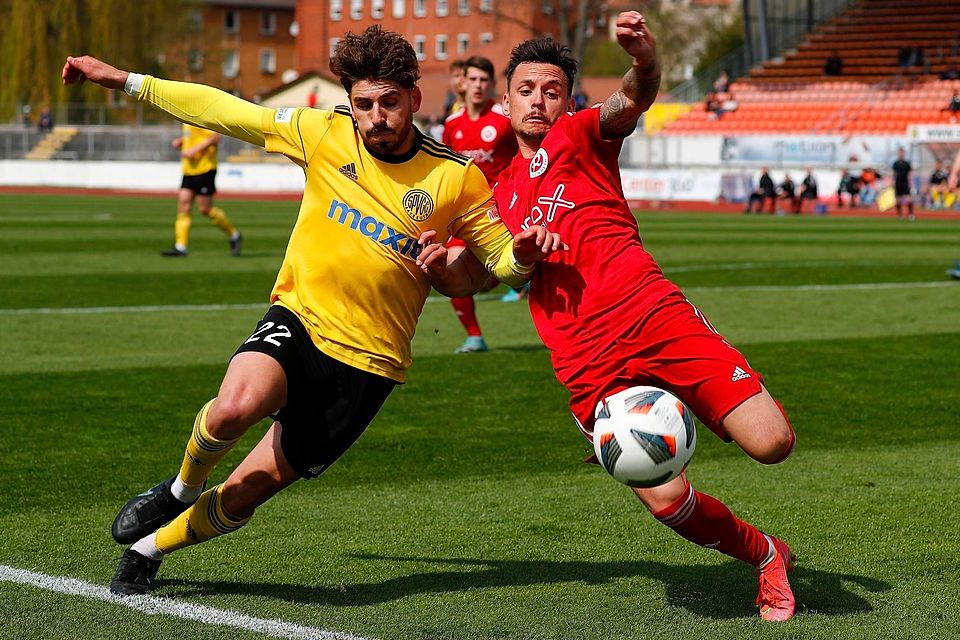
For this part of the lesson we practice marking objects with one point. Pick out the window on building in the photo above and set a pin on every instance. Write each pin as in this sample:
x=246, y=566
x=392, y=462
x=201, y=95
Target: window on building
x=399, y=8
x=442, y=8
x=486, y=38
x=231, y=21
x=463, y=43
x=356, y=9
x=420, y=46
x=441, y=47
x=195, y=59
x=376, y=9
x=336, y=9
x=463, y=7
x=268, y=23
x=333, y=46
x=419, y=8
x=486, y=6
x=268, y=61
x=547, y=7
x=231, y=64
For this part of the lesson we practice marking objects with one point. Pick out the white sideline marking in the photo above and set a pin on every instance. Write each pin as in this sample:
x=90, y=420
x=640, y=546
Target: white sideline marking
x=153, y=605
x=864, y=286
x=485, y=296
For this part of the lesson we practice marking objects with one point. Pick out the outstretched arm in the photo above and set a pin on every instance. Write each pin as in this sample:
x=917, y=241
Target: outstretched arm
x=621, y=111
x=194, y=103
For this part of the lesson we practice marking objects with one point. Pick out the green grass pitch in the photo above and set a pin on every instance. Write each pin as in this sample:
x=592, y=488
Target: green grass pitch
x=464, y=511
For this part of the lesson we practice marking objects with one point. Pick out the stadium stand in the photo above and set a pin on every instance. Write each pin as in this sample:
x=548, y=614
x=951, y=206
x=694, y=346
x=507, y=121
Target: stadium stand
x=893, y=53
x=50, y=143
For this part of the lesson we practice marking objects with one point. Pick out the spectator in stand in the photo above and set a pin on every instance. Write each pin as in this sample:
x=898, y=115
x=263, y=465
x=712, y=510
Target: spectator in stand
x=722, y=83
x=901, y=184
x=950, y=73
x=808, y=190
x=869, y=187
x=312, y=96
x=849, y=184
x=765, y=195
x=937, y=189
x=713, y=105
x=788, y=193
x=834, y=65
x=45, y=123
x=954, y=105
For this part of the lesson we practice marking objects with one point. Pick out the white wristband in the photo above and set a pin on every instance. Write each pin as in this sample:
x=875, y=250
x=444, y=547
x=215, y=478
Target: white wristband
x=133, y=84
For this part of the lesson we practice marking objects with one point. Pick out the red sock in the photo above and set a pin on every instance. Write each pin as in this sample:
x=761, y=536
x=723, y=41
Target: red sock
x=467, y=314
x=707, y=522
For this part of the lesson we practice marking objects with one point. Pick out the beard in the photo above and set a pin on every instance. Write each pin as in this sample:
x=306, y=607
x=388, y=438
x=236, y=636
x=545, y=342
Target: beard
x=389, y=143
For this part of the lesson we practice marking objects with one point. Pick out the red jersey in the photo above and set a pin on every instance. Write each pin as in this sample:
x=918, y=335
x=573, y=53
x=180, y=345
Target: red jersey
x=489, y=139
x=585, y=299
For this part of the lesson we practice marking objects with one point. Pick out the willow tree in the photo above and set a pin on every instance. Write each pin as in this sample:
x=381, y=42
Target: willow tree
x=36, y=36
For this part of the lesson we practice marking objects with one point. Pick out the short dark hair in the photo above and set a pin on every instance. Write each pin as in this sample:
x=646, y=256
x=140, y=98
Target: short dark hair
x=457, y=64
x=543, y=51
x=375, y=54
x=479, y=62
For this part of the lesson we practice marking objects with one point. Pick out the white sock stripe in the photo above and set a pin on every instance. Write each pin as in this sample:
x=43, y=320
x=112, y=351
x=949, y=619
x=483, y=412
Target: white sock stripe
x=153, y=605
x=680, y=515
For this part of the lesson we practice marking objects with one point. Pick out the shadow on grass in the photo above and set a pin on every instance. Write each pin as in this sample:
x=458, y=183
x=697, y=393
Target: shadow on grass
x=710, y=591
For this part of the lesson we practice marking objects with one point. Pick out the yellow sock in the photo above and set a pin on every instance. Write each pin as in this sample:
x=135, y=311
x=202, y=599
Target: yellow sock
x=203, y=451
x=181, y=229
x=204, y=520
x=219, y=218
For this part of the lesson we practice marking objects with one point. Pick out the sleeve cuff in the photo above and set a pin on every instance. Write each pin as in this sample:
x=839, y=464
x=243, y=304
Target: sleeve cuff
x=133, y=84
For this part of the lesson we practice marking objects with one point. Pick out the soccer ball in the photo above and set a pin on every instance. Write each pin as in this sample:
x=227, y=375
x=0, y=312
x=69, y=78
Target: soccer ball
x=643, y=436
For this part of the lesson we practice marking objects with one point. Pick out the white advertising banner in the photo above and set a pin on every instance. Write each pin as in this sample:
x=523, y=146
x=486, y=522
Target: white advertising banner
x=934, y=132
x=644, y=184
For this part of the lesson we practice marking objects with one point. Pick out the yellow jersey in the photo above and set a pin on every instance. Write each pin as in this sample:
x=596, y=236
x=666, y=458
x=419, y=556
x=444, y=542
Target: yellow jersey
x=202, y=162
x=350, y=272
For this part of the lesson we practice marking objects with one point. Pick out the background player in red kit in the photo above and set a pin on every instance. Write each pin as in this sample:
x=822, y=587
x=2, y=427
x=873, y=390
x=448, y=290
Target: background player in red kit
x=603, y=307
x=481, y=131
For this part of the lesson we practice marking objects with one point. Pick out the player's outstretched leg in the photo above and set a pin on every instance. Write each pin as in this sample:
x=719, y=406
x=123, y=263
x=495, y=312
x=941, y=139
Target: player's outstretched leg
x=704, y=520
x=219, y=511
x=466, y=311
x=145, y=513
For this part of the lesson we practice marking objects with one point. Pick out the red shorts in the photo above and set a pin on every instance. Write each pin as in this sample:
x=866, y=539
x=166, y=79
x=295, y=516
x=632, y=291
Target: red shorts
x=675, y=348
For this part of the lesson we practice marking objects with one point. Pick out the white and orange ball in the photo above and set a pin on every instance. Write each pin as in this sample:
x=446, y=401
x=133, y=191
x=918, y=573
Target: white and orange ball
x=643, y=436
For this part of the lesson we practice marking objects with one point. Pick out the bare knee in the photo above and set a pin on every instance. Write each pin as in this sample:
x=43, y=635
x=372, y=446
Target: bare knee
x=232, y=413
x=776, y=447
x=760, y=427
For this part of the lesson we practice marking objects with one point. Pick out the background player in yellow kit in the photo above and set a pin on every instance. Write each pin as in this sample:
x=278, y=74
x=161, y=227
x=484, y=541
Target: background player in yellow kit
x=336, y=341
x=198, y=150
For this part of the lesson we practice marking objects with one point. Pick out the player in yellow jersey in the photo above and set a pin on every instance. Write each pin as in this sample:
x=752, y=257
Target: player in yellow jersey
x=336, y=340
x=198, y=151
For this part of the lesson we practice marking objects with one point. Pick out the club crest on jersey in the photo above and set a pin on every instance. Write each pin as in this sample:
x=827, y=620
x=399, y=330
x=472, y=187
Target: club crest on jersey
x=418, y=204
x=488, y=133
x=538, y=163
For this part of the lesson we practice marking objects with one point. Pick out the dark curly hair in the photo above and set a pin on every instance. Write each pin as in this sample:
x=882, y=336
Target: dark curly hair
x=375, y=54
x=543, y=51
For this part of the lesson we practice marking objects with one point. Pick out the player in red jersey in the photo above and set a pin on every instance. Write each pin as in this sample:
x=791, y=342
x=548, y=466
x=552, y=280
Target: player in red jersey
x=481, y=131
x=603, y=306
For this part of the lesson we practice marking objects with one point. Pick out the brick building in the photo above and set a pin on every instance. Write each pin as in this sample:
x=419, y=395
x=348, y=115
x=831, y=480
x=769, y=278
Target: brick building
x=242, y=46
x=440, y=31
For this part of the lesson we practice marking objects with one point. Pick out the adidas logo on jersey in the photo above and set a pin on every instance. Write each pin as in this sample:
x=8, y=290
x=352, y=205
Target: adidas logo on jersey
x=350, y=170
x=739, y=374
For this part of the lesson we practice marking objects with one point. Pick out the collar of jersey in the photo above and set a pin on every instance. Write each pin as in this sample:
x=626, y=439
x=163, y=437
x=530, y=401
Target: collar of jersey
x=417, y=141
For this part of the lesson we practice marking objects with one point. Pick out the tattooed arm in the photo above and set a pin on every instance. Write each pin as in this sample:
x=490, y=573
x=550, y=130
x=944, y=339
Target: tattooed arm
x=621, y=111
